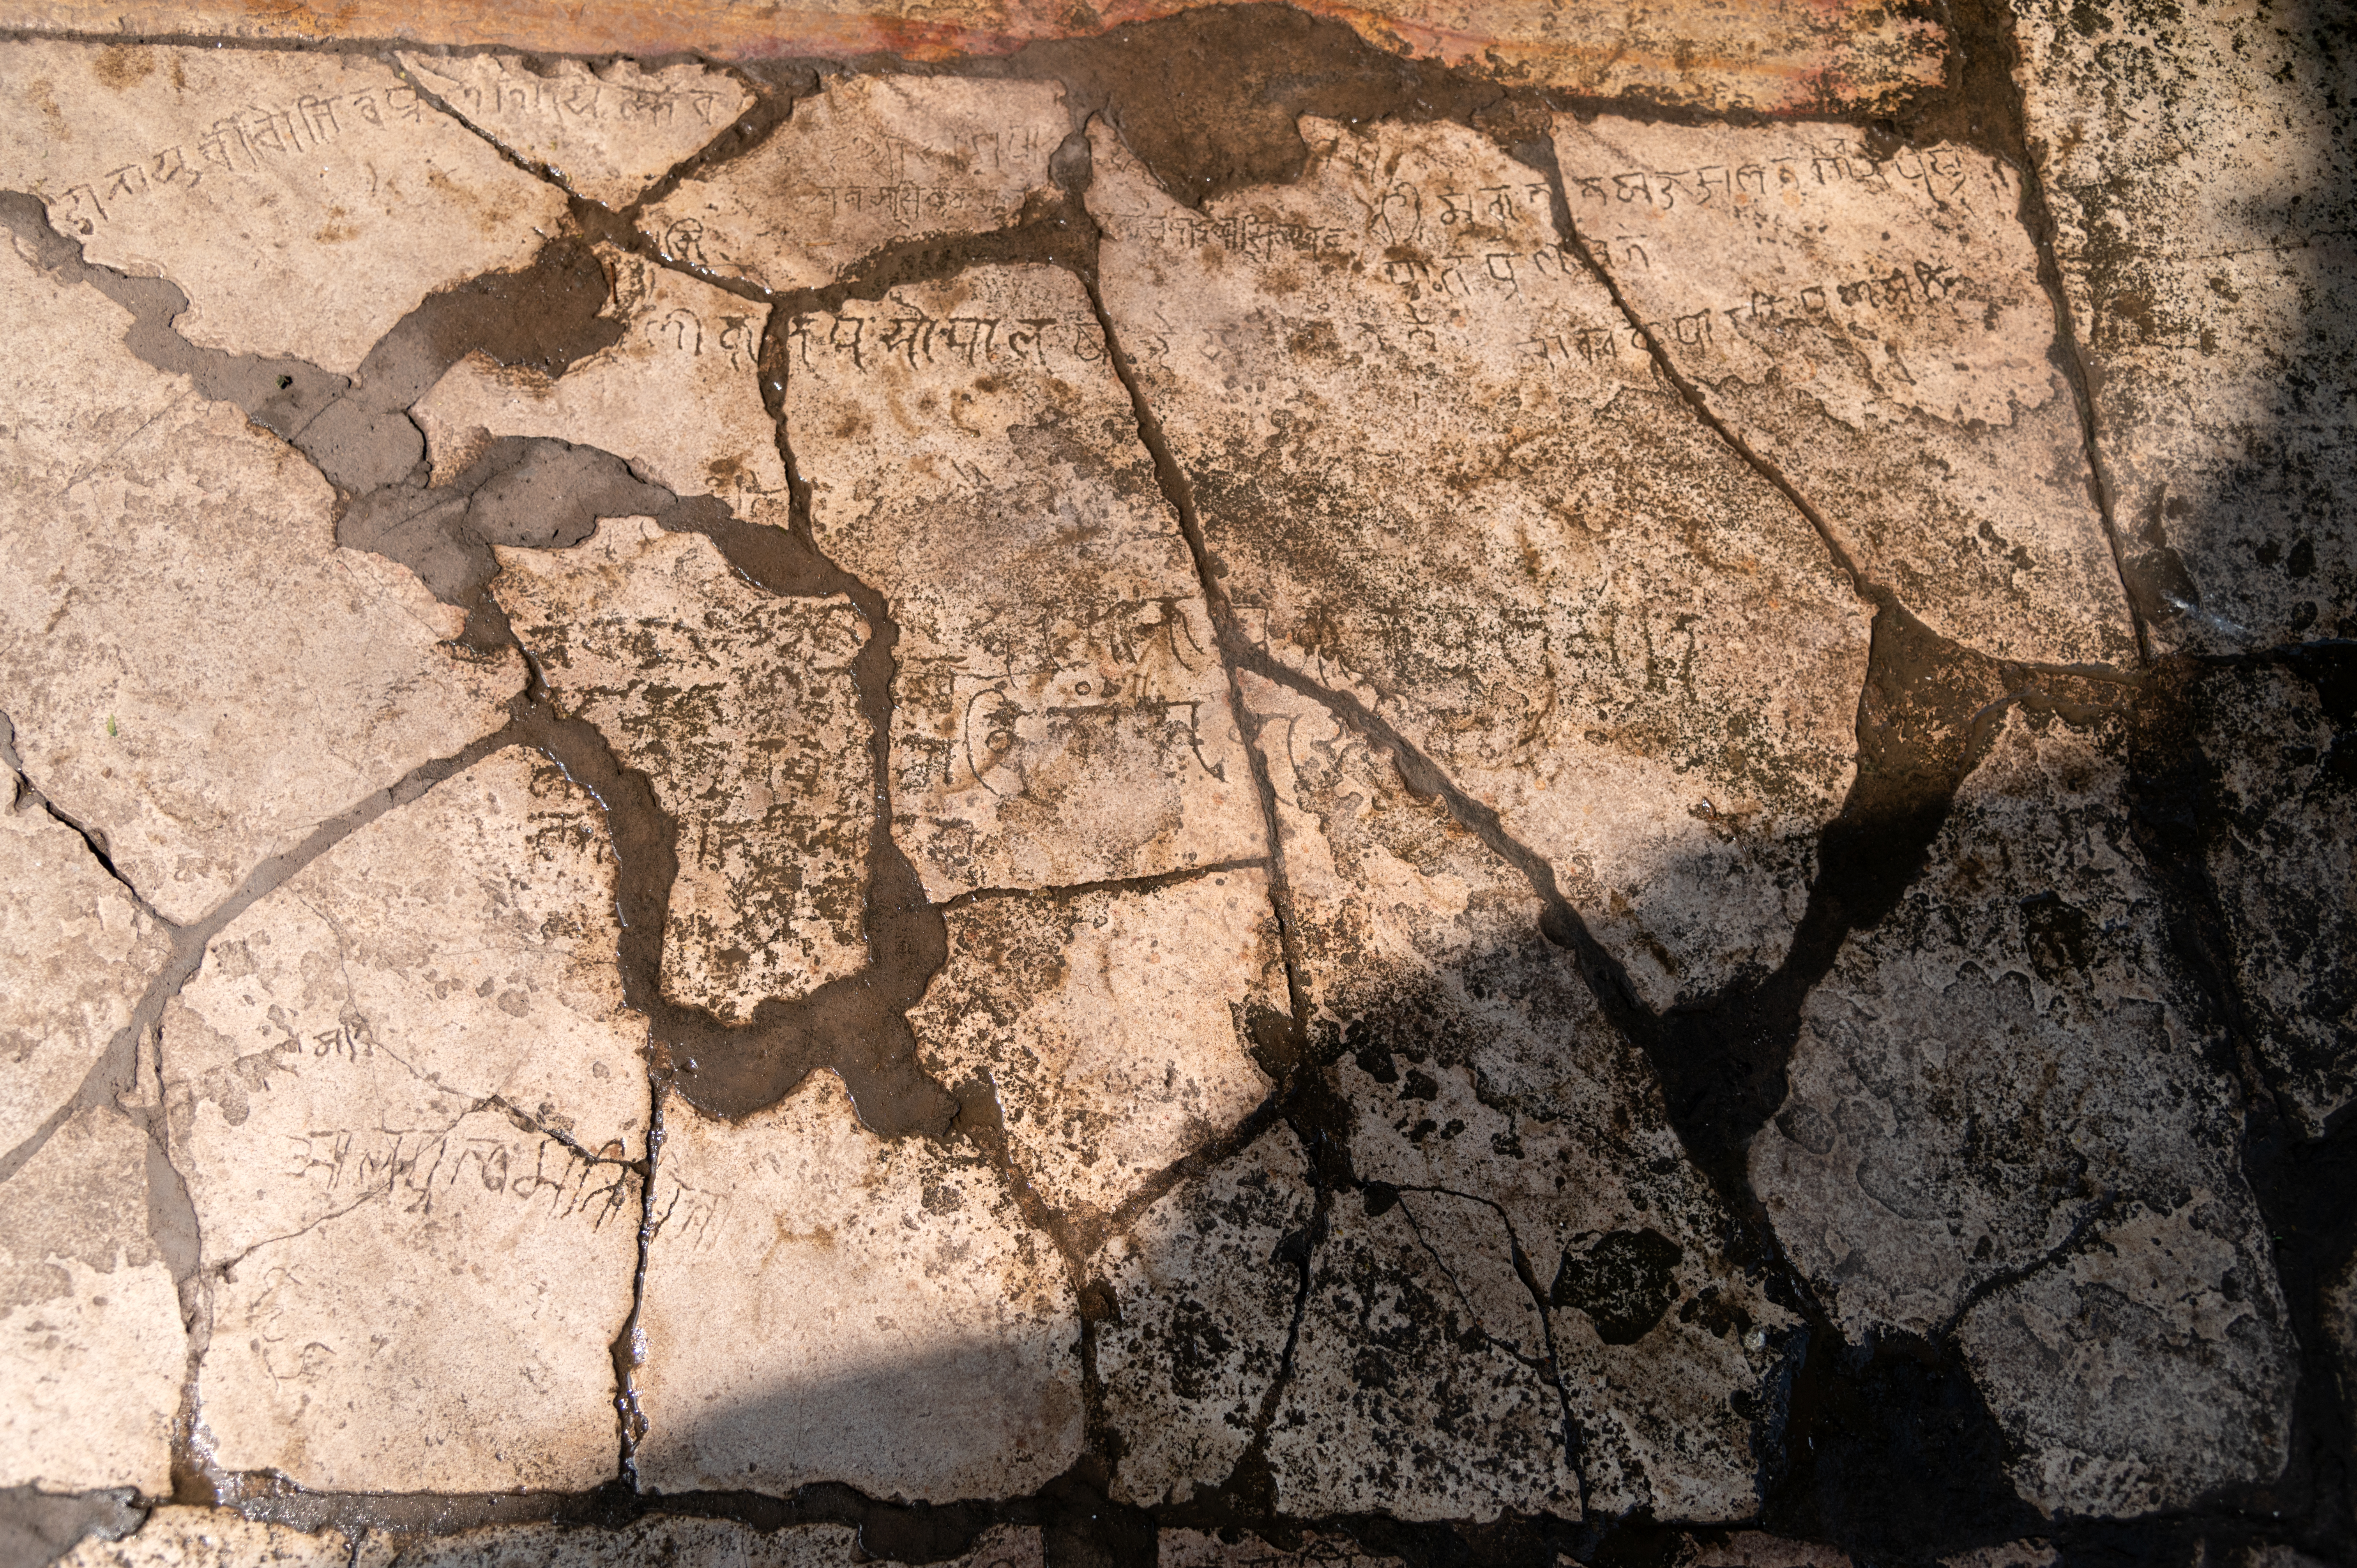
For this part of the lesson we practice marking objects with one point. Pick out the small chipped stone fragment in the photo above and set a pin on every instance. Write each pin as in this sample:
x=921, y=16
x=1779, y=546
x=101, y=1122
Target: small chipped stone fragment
x=1061, y=716
x=2028, y=978
x=404, y=1090
x=871, y=160
x=257, y=178
x=195, y=668
x=607, y=131
x=675, y=398
x=741, y=708
x=92, y=1349
x=1111, y=1029
x=1205, y=1282
x=823, y=1305
x=1418, y=490
x=1874, y=325
x=78, y=951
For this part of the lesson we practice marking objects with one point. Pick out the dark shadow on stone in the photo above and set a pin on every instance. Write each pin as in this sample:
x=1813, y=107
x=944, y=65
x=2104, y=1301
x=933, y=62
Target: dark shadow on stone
x=36, y=1528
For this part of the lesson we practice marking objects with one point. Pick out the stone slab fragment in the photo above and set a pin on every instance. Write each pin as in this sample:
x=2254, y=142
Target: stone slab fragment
x=2202, y=170
x=1061, y=716
x=869, y=162
x=675, y=398
x=402, y=1087
x=91, y=1351
x=607, y=131
x=1484, y=1086
x=79, y=953
x=255, y=178
x=177, y=1537
x=1205, y=1283
x=1544, y=570
x=2009, y=1062
x=1113, y=1027
x=741, y=708
x=194, y=668
x=1198, y=1549
x=1873, y=323
x=822, y=1306
x=2280, y=743
x=681, y=1543
x=1793, y=54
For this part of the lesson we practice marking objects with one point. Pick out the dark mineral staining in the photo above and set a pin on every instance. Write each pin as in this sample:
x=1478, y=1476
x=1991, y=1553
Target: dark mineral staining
x=1623, y=1280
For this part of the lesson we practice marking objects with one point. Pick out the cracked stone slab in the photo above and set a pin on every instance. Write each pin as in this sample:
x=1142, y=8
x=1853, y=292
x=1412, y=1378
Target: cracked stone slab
x=1204, y=1283
x=253, y=178
x=869, y=162
x=2201, y=168
x=79, y=953
x=821, y=1304
x=2007, y=1068
x=741, y=708
x=179, y=1536
x=1544, y=570
x=195, y=670
x=1061, y=716
x=607, y=131
x=688, y=1542
x=1112, y=1028
x=1483, y=1085
x=401, y=1087
x=675, y=398
x=2282, y=741
x=92, y=1349
x=1875, y=327
x=1197, y=1548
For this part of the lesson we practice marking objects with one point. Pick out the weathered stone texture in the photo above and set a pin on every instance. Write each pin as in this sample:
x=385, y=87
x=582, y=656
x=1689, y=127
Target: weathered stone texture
x=741, y=708
x=401, y=1088
x=1545, y=571
x=2012, y=1064
x=607, y=131
x=2200, y=165
x=821, y=1304
x=871, y=160
x=1061, y=716
x=1112, y=1029
x=91, y=1351
x=213, y=1538
x=79, y=953
x=1483, y=1086
x=194, y=668
x=252, y=179
x=675, y=398
x=684, y=1542
x=1205, y=1281
x=1195, y=1549
x=1876, y=328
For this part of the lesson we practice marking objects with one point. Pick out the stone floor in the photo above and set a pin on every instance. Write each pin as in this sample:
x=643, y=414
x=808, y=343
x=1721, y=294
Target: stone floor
x=985, y=782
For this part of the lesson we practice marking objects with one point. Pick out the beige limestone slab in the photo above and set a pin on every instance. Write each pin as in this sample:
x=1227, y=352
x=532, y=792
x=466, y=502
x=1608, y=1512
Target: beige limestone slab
x=675, y=398
x=2201, y=174
x=79, y=953
x=1205, y=1282
x=1112, y=1028
x=821, y=1304
x=194, y=668
x=608, y=130
x=1545, y=571
x=402, y=1087
x=1061, y=714
x=868, y=162
x=683, y=1543
x=180, y=1537
x=2008, y=1059
x=1874, y=325
x=257, y=180
x=1482, y=1080
x=2283, y=862
x=741, y=708
x=92, y=1349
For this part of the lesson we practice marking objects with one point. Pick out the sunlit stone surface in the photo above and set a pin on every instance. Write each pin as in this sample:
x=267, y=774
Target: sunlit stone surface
x=1036, y=786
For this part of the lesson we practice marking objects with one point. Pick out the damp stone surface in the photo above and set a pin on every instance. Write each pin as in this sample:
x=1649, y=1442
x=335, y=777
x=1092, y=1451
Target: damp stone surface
x=1178, y=786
